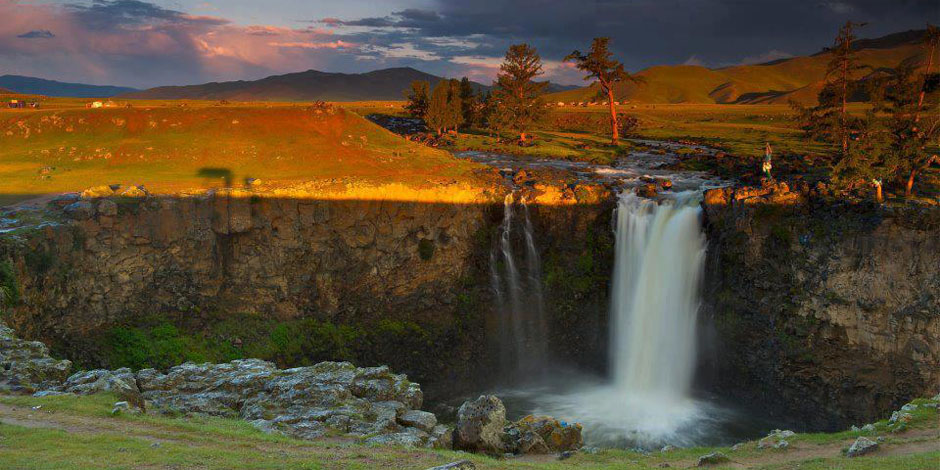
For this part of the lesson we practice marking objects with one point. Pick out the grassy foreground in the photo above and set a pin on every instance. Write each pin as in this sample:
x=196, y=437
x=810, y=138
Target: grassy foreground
x=79, y=432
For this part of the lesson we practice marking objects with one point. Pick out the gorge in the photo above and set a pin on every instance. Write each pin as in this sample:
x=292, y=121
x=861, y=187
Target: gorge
x=451, y=292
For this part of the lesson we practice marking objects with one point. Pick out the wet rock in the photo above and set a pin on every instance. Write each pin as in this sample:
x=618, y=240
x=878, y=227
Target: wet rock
x=81, y=210
x=480, y=425
x=714, y=458
x=647, y=190
x=25, y=366
x=861, y=446
x=461, y=465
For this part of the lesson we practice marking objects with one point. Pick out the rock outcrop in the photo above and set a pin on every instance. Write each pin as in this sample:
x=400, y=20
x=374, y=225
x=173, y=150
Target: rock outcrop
x=825, y=312
x=25, y=366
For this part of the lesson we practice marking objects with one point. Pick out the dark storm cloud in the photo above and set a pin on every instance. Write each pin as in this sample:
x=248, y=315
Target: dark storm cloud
x=108, y=14
x=649, y=32
x=37, y=34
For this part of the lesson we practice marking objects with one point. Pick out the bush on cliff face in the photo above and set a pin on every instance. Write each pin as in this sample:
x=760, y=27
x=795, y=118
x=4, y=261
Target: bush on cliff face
x=9, y=291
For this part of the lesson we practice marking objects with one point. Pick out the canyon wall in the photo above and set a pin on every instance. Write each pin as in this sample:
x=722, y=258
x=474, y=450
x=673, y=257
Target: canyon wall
x=296, y=280
x=825, y=313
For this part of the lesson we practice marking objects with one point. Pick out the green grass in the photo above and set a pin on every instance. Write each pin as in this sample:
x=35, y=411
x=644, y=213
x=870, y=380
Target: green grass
x=80, y=432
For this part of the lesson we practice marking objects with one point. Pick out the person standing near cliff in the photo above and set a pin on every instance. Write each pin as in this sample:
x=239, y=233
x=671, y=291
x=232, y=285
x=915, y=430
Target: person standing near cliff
x=767, y=166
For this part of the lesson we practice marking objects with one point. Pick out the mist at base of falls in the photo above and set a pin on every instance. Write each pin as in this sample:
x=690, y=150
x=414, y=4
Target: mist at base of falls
x=646, y=400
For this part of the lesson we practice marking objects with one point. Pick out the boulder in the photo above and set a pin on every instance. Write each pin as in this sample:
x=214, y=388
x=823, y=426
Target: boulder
x=557, y=436
x=480, y=425
x=107, y=208
x=713, y=458
x=647, y=190
x=442, y=437
x=121, y=382
x=776, y=440
x=97, y=192
x=136, y=192
x=861, y=446
x=418, y=419
x=25, y=366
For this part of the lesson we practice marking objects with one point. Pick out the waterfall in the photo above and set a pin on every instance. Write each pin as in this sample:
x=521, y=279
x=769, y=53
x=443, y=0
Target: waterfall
x=517, y=288
x=660, y=250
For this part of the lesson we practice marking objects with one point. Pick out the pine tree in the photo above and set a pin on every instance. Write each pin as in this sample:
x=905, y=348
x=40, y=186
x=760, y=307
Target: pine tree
x=830, y=122
x=518, y=98
x=600, y=66
x=418, y=99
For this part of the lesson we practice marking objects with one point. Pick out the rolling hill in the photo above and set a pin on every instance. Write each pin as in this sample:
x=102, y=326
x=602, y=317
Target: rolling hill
x=797, y=78
x=41, y=86
x=379, y=85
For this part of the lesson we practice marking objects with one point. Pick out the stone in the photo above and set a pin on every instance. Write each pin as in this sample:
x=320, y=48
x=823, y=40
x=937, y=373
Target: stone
x=135, y=192
x=666, y=448
x=63, y=200
x=107, y=208
x=868, y=428
x=480, y=425
x=558, y=436
x=97, y=192
x=419, y=419
x=900, y=417
x=26, y=367
x=409, y=437
x=123, y=407
x=461, y=465
x=81, y=210
x=776, y=439
x=121, y=382
x=442, y=437
x=713, y=458
x=861, y=446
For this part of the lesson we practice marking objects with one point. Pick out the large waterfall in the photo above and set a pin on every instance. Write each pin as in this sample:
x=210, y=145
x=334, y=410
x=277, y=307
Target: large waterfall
x=660, y=250
x=655, y=297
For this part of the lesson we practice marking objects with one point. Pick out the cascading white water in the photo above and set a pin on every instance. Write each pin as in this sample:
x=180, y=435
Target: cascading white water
x=660, y=250
x=519, y=300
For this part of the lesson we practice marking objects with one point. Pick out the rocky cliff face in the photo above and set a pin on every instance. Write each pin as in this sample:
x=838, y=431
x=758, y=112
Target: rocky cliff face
x=826, y=313
x=303, y=280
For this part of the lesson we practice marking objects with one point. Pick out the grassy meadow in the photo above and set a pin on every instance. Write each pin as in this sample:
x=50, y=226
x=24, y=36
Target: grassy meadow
x=174, y=146
x=81, y=432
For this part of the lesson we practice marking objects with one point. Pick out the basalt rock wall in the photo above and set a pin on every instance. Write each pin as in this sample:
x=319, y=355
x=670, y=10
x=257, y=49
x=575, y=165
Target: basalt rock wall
x=826, y=313
x=393, y=283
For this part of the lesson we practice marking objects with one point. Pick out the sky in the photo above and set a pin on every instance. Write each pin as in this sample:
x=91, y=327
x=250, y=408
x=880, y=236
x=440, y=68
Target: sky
x=146, y=43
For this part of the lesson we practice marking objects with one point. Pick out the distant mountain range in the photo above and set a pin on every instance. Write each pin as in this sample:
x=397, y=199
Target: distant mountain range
x=379, y=85
x=778, y=82
x=41, y=86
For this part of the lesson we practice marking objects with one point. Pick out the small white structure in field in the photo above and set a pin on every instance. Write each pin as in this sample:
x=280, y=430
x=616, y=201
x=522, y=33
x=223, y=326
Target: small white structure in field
x=96, y=104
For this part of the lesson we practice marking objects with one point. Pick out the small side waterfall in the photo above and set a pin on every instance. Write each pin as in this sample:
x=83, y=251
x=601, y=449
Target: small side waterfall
x=517, y=288
x=660, y=253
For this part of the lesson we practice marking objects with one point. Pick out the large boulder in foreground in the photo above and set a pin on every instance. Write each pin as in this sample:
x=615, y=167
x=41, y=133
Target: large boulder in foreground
x=25, y=366
x=480, y=425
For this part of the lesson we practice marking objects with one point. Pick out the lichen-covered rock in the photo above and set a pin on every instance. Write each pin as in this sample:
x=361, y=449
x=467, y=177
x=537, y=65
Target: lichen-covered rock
x=418, y=419
x=555, y=435
x=480, y=425
x=442, y=437
x=777, y=439
x=304, y=402
x=861, y=446
x=121, y=382
x=97, y=192
x=25, y=366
